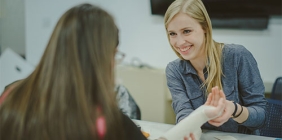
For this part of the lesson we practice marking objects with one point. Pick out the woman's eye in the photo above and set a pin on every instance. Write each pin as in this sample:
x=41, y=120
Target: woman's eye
x=172, y=34
x=186, y=31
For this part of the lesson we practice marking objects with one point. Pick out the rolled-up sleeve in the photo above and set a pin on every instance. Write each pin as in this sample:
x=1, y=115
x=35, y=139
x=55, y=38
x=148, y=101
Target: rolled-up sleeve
x=180, y=102
x=251, y=89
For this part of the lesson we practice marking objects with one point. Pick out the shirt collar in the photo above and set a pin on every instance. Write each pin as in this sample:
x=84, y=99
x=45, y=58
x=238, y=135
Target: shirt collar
x=187, y=67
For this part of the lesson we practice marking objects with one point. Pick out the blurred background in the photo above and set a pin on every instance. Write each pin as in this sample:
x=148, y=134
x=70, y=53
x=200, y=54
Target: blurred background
x=26, y=25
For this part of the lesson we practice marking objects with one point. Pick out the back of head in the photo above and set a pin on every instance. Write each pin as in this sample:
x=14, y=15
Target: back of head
x=72, y=84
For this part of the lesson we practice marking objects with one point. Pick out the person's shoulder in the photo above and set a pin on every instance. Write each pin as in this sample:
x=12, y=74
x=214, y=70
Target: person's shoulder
x=177, y=63
x=130, y=126
x=234, y=49
x=174, y=62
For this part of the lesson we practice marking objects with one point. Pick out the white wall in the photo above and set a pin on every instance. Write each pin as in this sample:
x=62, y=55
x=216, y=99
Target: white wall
x=12, y=24
x=142, y=35
x=41, y=17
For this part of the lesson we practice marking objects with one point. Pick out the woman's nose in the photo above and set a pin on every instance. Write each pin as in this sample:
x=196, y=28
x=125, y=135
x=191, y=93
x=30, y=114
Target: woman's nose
x=180, y=40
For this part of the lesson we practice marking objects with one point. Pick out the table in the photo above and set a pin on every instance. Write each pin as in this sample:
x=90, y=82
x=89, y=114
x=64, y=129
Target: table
x=157, y=129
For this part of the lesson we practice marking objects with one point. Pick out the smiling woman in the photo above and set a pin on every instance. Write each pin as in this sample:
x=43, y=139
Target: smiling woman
x=187, y=37
x=194, y=18
x=206, y=68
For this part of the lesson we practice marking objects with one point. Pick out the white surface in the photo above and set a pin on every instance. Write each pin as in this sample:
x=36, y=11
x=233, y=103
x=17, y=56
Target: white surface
x=9, y=63
x=41, y=16
x=143, y=35
x=225, y=138
x=157, y=129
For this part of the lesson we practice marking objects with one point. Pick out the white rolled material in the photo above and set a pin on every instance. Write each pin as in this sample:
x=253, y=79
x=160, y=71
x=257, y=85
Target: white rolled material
x=191, y=124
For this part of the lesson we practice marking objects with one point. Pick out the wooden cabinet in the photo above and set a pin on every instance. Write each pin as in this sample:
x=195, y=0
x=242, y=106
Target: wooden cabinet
x=149, y=89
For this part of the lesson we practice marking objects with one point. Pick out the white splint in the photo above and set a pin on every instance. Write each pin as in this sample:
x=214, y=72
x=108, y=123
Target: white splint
x=190, y=124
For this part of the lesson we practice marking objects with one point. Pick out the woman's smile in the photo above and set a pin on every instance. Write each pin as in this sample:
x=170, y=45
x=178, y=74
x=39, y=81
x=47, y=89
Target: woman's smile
x=184, y=50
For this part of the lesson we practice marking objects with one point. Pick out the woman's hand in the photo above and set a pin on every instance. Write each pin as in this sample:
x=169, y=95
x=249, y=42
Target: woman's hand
x=217, y=111
x=213, y=100
x=190, y=137
x=214, y=97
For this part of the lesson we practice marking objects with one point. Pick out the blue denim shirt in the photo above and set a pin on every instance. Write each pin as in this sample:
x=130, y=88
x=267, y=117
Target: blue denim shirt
x=241, y=82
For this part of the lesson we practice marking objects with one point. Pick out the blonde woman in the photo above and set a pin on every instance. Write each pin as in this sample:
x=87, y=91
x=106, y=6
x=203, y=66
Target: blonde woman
x=208, y=68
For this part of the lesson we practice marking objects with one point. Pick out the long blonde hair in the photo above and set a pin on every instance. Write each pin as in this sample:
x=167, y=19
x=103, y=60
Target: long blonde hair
x=213, y=49
x=74, y=79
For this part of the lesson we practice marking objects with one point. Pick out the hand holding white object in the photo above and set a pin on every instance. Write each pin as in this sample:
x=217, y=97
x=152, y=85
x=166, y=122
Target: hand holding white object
x=193, y=122
x=213, y=99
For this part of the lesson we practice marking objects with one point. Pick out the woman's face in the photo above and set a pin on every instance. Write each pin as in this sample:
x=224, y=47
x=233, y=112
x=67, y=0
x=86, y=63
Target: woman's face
x=186, y=36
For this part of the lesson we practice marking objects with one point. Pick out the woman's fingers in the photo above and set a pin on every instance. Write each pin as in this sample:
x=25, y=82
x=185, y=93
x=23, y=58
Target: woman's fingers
x=220, y=108
x=221, y=119
x=224, y=113
x=221, y=94
x=192, y=136
x=209, y=99
x=216, y=111
x=221, y=105
x=213, y=98
x=217, y=124
x=216, y=96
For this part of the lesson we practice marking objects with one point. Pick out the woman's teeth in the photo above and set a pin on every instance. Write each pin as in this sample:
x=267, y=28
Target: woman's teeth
x=184, y=49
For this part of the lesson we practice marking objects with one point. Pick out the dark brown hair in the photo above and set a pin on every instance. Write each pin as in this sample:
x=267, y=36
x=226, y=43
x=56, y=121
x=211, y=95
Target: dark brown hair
x=74, y=77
